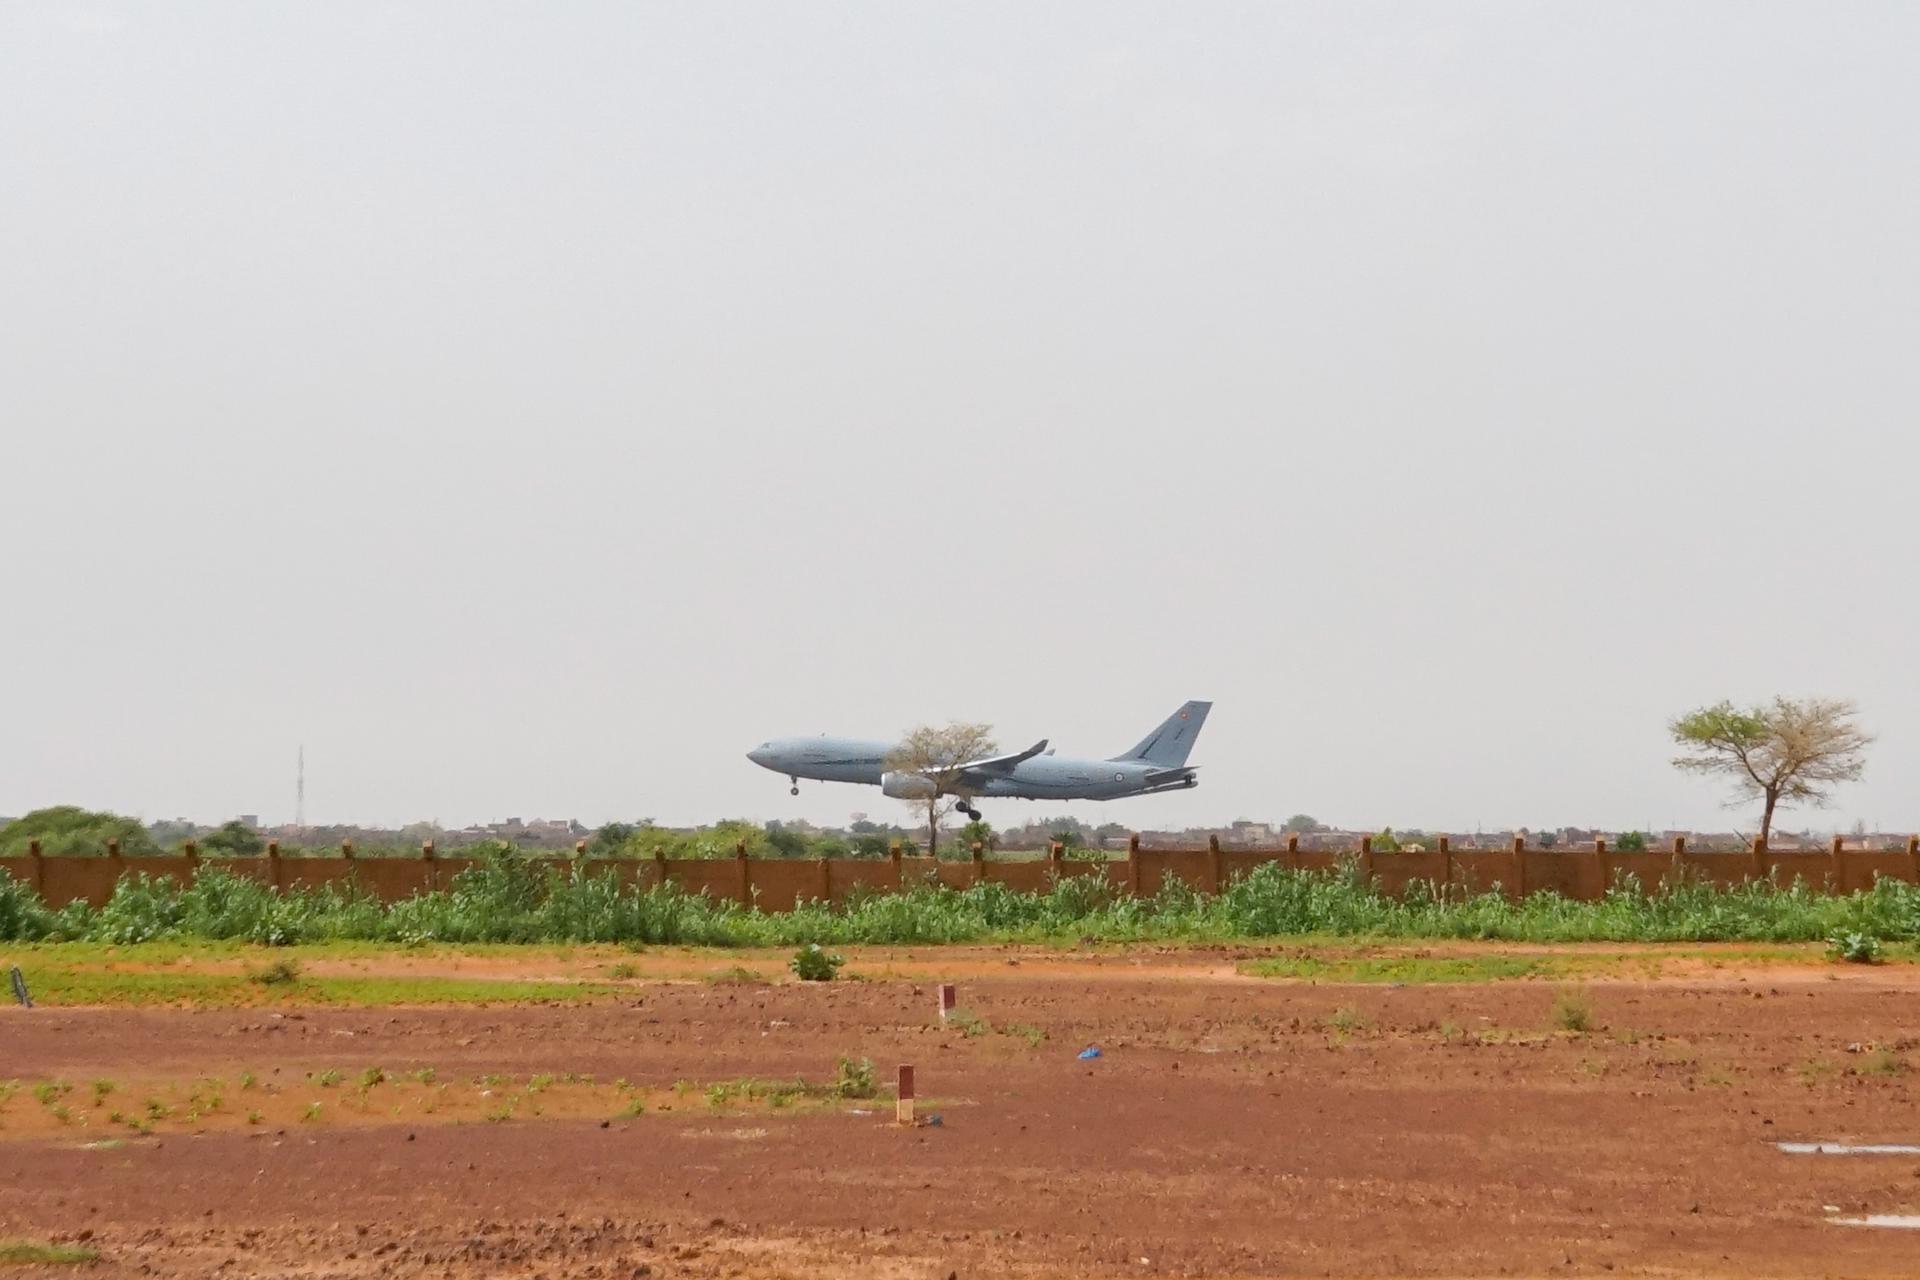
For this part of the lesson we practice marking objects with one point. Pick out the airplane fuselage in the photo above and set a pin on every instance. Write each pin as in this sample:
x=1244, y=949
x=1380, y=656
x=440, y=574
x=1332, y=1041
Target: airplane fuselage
x=1046, y=777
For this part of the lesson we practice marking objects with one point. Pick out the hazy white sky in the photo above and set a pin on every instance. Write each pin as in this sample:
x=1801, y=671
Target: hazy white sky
x=531, y=408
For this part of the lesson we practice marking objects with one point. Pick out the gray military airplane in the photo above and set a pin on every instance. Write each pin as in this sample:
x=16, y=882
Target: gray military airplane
x=1157, y=763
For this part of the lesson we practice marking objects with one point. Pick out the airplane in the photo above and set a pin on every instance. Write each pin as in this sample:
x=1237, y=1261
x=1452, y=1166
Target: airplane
x=1158, y=762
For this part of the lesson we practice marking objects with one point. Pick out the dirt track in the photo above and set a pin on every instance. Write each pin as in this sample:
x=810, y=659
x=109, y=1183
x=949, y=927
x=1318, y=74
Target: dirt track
x=1231, y=1127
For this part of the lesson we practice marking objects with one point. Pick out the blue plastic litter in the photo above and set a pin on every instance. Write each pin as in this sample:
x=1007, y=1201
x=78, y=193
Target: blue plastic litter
x=1089, y=1053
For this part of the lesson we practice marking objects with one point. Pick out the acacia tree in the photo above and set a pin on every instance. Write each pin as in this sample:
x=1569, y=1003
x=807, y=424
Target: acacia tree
x=933, y=752
x=1782, y=752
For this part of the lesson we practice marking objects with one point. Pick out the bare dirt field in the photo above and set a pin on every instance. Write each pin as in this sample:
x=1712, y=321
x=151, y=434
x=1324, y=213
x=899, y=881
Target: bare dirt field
x=678, y=1116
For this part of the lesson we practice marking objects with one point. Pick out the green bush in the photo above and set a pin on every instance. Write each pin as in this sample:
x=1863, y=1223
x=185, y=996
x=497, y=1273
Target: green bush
x=67, y=830
x=854, y=1079
x=1854, y=948
x=509, y=898
x=812, y=964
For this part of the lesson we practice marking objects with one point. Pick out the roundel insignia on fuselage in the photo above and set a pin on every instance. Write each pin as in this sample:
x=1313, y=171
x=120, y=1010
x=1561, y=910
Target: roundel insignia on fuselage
x=1119, y=777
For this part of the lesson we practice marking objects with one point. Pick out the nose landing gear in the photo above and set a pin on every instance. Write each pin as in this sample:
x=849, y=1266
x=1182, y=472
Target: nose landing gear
x=794, y=790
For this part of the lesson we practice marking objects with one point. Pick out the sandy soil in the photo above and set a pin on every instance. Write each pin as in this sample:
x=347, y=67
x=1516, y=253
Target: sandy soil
x=1231, y=1127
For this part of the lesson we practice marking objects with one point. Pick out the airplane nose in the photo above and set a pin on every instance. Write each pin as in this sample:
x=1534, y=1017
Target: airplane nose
x=759, y=756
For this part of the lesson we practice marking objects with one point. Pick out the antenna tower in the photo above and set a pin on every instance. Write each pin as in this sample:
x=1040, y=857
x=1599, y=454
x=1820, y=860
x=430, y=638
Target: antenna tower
x=300, y=789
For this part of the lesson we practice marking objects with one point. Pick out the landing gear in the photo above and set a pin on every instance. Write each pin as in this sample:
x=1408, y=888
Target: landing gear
x=794, y=790
x=972, y=813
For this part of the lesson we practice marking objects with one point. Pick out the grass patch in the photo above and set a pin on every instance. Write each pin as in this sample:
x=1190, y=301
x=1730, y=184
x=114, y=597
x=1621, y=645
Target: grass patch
x=1346, y=1020
x=1572, y=1012
x=281, y=973
x=968, y=1023
x=80, y=982
x=853, y=1078
x=1411, y=970
x=23, y=1253
x=737, y=976
x=1881, y=1061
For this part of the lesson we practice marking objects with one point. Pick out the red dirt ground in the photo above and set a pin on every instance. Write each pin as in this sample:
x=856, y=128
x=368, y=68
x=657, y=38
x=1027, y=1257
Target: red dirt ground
x=1231, y=1128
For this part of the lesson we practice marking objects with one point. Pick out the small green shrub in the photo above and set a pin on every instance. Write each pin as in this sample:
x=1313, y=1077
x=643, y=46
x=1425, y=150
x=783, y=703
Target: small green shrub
x=812, y=964
x=278, y=974
x=853, y=1079
x=1346, y=1020
x=1854, y=948
x=1571, y=1012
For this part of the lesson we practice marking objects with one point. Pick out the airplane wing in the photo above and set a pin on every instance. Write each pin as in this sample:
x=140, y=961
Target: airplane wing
x=1000, y=764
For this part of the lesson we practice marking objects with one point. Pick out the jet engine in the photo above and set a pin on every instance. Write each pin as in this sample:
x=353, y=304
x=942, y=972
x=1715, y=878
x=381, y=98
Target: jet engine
x=907, y=786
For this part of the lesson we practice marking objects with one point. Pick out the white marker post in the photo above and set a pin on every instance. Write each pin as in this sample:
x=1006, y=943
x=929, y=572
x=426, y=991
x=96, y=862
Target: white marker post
x=903, y=1110
x=946, y=1000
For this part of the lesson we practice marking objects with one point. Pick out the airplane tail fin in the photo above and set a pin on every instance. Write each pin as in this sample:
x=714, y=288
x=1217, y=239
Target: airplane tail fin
x=1169, y=745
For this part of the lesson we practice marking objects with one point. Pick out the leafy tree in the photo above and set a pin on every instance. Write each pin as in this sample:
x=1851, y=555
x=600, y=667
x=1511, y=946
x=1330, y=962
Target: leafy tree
x=935, y=753
x=608, y=839
x=1780, y=753
x=1302, y=823
x=1548, y=839
x=785, y=843
x=68, y=829
x=1631, y=842
x=233, y=840
x=978, y=832
x=871, y=844
x=1386, y=841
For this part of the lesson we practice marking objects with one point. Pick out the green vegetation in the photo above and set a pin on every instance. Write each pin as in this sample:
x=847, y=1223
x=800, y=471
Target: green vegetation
x=1345, y=1020
x=510, y=899
x=1571, y=1012
x=1631, y=842
x=968, y=1023
x=1410, y=970
x=233, y=840
x=22, y=1253
x=85, y=974
x=67, y=829
x=279, y=973
x=811, y=964
x=1854, y=948
x=854, y=1079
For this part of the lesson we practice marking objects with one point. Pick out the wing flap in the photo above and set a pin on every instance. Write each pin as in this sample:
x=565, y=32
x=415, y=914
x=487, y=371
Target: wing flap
x=1001, y=764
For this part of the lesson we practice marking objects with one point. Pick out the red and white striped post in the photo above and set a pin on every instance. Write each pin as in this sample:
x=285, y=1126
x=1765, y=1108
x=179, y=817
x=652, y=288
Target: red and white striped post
x=946, y=1000
x=903, y=1109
